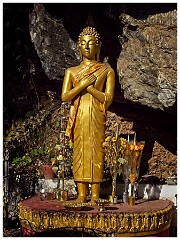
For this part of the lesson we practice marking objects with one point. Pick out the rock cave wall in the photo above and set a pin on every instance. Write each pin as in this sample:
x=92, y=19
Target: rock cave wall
x=141, y=49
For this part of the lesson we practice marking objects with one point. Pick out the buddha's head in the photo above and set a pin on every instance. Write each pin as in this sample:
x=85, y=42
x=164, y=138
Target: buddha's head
x=89, y=43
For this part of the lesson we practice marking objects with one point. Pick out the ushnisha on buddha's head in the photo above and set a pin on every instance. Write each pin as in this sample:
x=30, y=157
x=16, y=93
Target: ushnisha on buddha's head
x=89, y=43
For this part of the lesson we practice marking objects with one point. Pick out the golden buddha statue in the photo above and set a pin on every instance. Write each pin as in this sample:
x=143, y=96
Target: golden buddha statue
x=90, y=88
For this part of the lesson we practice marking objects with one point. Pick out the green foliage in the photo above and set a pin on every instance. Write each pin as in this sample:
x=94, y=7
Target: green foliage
x=11, y=133
x=57, y=124
x=121, y=161
x=22, y=161
x=41, y=152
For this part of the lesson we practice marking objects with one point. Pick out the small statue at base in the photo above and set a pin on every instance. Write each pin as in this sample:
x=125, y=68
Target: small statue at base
x=90, y=88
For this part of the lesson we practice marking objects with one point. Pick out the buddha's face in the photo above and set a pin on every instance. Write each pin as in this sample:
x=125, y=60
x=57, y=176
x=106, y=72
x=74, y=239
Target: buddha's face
x=88, y=46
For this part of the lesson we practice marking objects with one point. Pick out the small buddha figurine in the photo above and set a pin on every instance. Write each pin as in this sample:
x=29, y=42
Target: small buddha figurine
x=90, y=88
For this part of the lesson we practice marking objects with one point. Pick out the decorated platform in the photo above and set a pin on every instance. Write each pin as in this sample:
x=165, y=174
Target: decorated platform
x=145, y=218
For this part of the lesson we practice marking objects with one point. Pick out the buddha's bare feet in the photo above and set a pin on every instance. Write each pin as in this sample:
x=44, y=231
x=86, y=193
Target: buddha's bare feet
x=94, y=199
x=81, y=199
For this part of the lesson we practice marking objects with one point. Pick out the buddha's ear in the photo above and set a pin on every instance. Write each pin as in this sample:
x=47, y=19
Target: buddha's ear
x=98, y=52
x=80, y=54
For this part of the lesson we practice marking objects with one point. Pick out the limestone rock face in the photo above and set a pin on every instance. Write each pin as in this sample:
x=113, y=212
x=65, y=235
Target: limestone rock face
x=56, y=50
x=162, y=163
x=147, y=66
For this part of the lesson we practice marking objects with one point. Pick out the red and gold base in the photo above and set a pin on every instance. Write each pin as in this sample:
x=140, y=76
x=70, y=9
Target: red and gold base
x=145, y=218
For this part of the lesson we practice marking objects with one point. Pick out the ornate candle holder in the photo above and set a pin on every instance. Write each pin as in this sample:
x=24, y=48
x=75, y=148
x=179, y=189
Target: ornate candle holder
x=62, y=193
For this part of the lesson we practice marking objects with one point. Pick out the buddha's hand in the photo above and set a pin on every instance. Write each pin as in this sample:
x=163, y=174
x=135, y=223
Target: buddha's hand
x=88, y=80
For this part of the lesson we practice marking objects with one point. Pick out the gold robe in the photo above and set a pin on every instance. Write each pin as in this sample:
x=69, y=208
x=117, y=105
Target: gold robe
x=87, y=128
